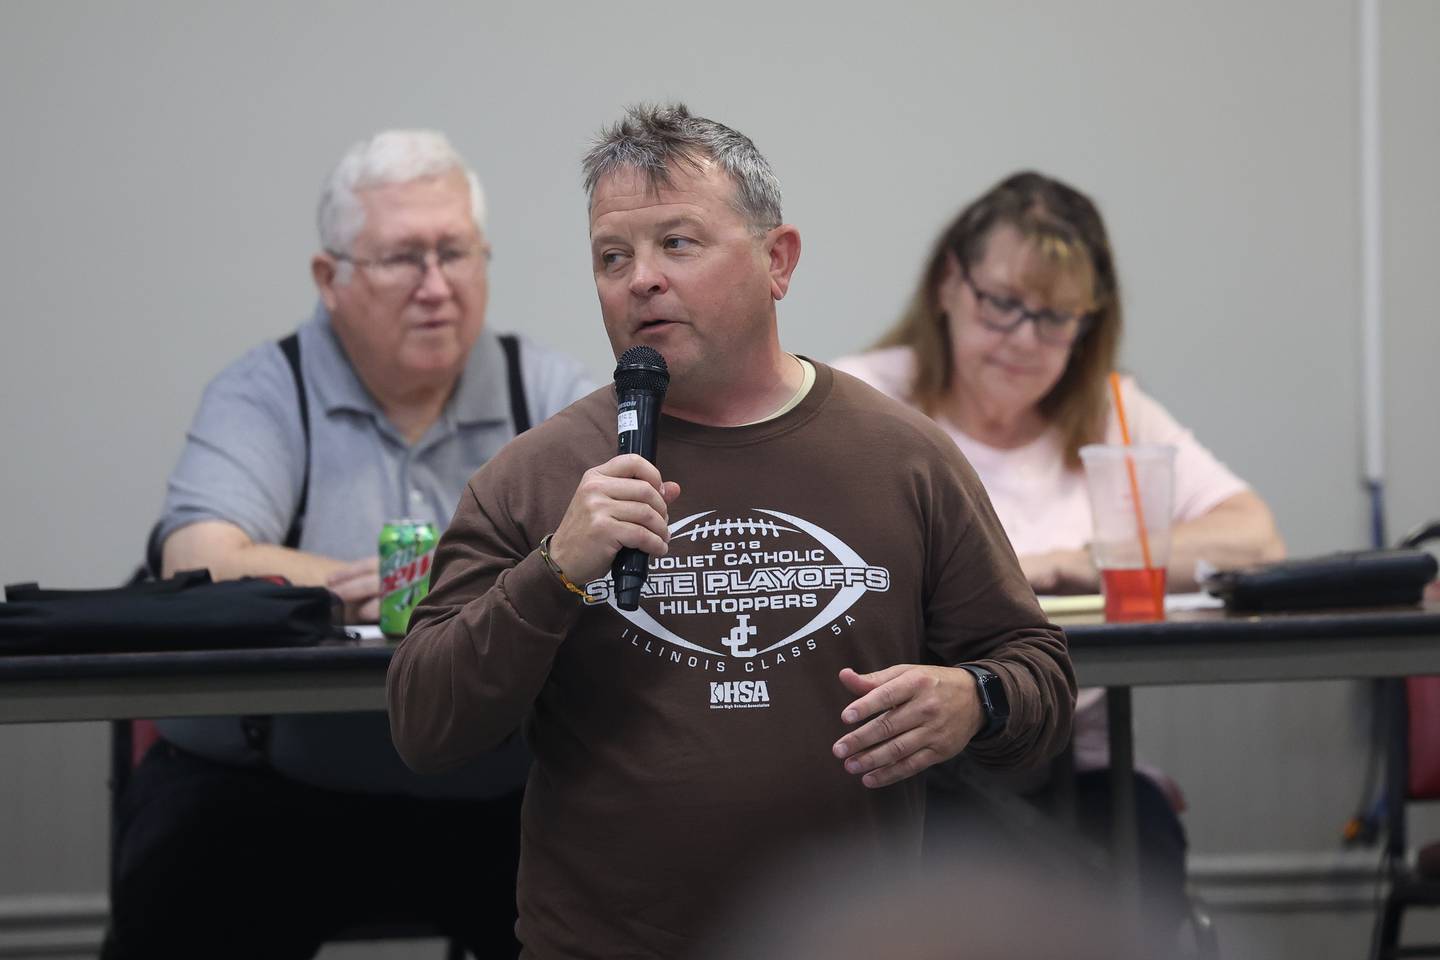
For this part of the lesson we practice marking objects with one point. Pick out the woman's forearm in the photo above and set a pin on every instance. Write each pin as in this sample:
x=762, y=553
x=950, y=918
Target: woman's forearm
x=1236, y=532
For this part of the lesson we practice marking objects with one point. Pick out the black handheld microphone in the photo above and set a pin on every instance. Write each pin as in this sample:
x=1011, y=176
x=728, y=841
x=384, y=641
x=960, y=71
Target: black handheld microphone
x=641, y=379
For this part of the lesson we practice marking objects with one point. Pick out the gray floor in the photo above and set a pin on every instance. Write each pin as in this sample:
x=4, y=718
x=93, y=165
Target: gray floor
x=1245, y=934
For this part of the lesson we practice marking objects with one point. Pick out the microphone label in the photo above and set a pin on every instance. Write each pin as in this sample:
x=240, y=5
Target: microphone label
x=628, y=421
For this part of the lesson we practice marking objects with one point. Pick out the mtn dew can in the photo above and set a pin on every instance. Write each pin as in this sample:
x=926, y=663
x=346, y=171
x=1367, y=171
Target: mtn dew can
x=407, y=549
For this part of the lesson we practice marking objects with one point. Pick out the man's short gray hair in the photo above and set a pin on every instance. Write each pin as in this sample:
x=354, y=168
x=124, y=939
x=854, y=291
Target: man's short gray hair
x=656, y=139
x=392, y=156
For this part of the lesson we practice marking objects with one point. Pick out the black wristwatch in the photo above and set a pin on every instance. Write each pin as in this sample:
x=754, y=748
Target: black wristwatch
x=993, y=700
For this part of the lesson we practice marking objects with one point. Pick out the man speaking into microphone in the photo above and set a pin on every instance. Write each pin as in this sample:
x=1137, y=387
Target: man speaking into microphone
x=830, y=607
x=641, y=379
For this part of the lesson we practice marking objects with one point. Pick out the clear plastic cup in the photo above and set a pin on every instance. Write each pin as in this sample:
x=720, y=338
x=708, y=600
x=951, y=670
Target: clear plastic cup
x=1132, y=567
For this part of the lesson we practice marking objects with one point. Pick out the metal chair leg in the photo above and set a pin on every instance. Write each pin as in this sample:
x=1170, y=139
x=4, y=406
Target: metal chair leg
x=1207, y=941
x=1386, y=939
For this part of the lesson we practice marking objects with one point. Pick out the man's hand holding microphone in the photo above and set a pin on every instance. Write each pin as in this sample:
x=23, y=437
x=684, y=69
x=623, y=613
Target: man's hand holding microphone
x=619, y=516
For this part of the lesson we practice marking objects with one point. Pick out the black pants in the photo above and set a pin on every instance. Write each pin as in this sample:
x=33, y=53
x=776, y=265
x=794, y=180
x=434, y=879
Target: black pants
x=1004, y=826
x=221, y=862
x=1162, y=847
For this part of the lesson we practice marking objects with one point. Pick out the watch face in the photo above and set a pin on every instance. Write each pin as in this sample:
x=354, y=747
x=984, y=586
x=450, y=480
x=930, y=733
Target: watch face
x=993, y=700
x=995, y=693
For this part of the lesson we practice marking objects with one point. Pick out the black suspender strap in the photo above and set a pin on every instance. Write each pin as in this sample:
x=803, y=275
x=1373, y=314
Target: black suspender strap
x=519, y=412
x=256, y=729
x=290, y=346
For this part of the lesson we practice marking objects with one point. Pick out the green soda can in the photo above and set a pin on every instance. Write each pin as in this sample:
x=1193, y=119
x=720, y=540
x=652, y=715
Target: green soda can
x=407, y=549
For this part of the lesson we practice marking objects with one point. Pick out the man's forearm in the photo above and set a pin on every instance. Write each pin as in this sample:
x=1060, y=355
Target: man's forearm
x=471, y=666
x=268, y=560
x=229, y=554
x=1040, y=683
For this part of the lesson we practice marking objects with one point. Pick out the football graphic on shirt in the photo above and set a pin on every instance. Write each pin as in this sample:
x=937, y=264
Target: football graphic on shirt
x=743, y=584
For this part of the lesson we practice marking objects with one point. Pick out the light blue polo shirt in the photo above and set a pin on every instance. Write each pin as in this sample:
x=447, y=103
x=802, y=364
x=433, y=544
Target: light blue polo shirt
x=244, y=461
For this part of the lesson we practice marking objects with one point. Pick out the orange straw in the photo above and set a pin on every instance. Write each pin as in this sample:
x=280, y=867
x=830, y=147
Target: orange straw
x=1135, y=493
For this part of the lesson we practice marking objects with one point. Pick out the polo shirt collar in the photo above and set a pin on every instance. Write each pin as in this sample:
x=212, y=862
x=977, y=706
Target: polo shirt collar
x=481, y=396
x=483, y=393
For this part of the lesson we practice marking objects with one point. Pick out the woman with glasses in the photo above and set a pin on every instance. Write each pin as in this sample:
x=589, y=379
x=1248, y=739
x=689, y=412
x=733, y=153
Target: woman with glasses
x=1007, y=344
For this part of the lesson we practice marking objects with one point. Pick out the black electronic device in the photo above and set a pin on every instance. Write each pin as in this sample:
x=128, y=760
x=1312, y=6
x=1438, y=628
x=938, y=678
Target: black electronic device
x=994, y=702
x=185, y=612
x=1356, y=578
x=641, y=379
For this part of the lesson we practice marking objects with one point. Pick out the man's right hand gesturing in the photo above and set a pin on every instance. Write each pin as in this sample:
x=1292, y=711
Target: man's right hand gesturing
x=621, y=503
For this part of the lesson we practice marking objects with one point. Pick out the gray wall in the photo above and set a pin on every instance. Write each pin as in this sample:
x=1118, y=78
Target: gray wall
x=161, y=160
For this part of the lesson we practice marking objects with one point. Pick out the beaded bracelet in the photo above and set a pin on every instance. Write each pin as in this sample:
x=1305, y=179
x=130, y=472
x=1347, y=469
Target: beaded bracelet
x=555, y=567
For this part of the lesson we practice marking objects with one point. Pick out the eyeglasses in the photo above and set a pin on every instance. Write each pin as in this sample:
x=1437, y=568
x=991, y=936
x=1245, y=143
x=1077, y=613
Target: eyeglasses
x=406, y=269
x=1005, y=314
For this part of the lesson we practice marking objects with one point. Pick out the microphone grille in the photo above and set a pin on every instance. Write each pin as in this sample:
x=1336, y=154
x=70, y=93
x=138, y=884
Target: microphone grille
x=642, y=368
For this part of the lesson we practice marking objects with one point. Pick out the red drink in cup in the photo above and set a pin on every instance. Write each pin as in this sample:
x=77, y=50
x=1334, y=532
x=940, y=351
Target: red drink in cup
x=1131, y=499
x=1133, y=595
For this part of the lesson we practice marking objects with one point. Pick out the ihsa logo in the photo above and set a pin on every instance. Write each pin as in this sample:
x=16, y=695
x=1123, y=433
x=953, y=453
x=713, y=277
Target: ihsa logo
x=739, y=694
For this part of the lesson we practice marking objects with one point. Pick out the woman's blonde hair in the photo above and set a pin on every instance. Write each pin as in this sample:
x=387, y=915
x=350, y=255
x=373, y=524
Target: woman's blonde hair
x=1064, y=227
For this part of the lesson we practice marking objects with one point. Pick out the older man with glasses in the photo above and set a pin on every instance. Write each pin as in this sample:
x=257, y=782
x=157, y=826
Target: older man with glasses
x=260, y=837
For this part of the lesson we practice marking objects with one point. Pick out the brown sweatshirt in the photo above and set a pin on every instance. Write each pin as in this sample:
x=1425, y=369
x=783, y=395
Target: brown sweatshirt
x=683, y=750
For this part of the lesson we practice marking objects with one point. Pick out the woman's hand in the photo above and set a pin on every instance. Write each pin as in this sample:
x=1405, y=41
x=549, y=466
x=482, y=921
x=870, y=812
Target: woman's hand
x=1061, y=571
x=1236, y=532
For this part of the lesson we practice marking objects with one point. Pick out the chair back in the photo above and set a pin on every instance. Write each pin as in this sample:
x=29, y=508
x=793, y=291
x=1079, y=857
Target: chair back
x=1422, y=695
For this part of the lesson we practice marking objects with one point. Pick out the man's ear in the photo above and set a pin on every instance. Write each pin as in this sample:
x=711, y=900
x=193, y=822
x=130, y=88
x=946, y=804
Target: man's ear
x=322, y=269
x=783, y=246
